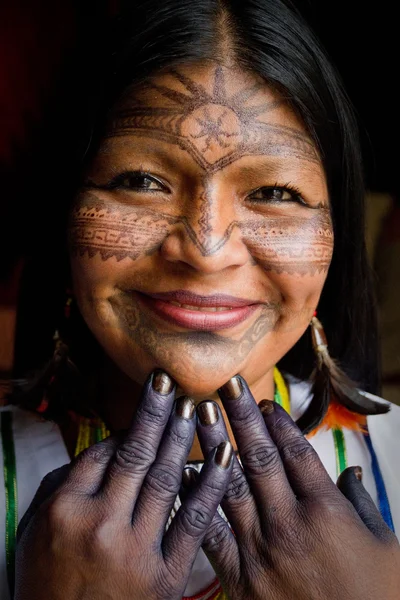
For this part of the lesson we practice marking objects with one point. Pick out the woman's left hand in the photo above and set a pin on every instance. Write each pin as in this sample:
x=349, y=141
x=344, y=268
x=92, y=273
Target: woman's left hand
x=297, y=535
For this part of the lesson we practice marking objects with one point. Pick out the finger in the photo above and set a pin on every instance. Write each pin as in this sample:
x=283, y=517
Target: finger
x=135, y=455
x=86, y=472
x=47, y=487
x=304, y=469
x=259, y=455
x=222, y=551
x=163, y=481
x=219, y=543
x=349, y=483
x=238, y=502
x=189, y=479
x=183, y=539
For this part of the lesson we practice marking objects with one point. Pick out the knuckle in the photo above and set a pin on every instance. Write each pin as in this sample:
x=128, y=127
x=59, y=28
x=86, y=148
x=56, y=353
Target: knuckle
x=211, y=488
x=101, y=539
x=247, y=417
x=217, y=536
x=262, y=457
x=99, y=453
x=327, y=509
x=152, y=414
x=163, y=479
x=180, y=436
x=134, y=455
x=238, y=489
x=194, y=519
x=298, y=451
x=60, y=512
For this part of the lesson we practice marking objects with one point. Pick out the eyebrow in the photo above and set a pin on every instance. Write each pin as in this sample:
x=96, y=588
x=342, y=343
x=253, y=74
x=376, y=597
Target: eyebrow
x=277, y=168
x=156, y=154
x=280, y=139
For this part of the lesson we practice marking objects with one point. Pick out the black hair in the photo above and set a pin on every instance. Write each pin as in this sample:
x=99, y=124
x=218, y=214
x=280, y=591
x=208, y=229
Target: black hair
x=269, y=38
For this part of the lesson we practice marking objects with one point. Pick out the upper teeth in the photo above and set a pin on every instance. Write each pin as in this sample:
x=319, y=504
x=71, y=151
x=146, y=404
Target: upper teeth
x=201, y=308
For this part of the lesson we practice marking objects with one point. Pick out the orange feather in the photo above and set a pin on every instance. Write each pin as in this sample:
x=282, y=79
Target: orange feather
x=339, y=416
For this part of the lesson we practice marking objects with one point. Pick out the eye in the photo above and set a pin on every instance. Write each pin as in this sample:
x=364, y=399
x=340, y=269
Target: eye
x=277, y=194
x=137, y=181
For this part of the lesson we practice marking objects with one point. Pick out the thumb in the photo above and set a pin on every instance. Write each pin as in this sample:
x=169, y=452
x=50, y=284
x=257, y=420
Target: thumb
x=47, y=487
x=349, y=483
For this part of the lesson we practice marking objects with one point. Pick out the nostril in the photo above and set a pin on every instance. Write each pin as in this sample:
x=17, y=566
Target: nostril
x=209, y=253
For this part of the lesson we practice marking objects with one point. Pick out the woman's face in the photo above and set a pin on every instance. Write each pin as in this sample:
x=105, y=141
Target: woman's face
x=206, y=184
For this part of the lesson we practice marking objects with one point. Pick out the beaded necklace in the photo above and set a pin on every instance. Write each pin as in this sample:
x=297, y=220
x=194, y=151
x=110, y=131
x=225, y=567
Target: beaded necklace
x=94, y=430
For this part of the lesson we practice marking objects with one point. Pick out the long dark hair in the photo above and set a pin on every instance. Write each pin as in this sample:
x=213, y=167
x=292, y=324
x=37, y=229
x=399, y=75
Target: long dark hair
x=269, y=38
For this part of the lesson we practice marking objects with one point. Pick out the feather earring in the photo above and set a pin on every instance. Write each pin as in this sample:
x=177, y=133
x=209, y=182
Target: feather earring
x=336, y=402
x=45, y=393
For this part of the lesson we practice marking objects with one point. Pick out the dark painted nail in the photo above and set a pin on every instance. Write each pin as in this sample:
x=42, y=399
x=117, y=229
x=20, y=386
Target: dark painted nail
x=223, y=454
x=185, y=407
x=232, y=390
x=266, y=407
x=189, y=477
x=162, y=383
x=358, y=473
x=208, y=413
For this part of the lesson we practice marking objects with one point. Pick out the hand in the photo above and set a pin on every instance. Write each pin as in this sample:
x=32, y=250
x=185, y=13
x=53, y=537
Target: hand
x=297, y=536
x=96, y=528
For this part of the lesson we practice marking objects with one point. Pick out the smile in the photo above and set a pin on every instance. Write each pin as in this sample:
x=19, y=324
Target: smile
x=195, y=317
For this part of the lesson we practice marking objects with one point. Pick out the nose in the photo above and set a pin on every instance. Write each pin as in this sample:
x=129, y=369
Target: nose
x=207, y=236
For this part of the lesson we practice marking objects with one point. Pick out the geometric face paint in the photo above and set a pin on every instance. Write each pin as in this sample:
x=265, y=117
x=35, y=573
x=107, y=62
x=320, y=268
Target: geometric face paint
x=206, y=180
x=284, y=245
x=215, y=128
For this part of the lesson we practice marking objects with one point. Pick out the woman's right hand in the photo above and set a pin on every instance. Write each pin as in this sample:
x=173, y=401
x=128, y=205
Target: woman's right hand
x=101, y=533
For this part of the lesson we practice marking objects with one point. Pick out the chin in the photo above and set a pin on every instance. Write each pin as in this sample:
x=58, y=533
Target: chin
x=202, y=386
x=196, y=394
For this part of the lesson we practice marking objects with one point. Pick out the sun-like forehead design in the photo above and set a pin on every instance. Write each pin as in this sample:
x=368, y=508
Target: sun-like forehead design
x=215, y=127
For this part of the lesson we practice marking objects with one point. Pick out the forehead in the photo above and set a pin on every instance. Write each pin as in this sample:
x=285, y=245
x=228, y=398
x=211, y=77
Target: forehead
x=215, y=114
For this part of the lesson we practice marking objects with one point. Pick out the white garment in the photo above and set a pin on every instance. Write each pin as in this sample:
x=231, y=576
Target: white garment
x=39, y=448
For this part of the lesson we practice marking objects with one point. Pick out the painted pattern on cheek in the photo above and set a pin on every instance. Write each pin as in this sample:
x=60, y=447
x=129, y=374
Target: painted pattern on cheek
x=290, y=245
x=100, y=228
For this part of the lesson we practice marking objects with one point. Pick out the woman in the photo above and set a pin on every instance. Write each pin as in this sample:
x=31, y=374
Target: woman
x=220, y=207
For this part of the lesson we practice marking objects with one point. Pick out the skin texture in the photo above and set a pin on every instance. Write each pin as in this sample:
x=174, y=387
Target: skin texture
x=87, y=534
x=218, y=148
x=209, y=139
x=297, y=535
x=96, y=527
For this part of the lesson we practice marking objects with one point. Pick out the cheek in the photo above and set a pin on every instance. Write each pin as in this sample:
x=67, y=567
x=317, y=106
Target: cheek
x=296, y=254
x=100, y=229
x=292, y=245
x=105, y=242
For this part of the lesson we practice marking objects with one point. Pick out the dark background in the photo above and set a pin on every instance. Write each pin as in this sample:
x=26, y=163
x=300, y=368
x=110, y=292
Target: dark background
x=362, y=39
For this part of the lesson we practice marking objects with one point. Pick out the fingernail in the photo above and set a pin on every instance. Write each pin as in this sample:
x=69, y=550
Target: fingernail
x=232, y=390
x=223, y=454
x=266, y=406
x=358, y=473
x=162, y=383
x=208, y=413
x=189, y=477
x=185, y=407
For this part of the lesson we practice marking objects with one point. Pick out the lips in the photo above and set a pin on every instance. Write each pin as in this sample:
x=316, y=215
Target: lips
x=217, y=300
x=202, y=313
